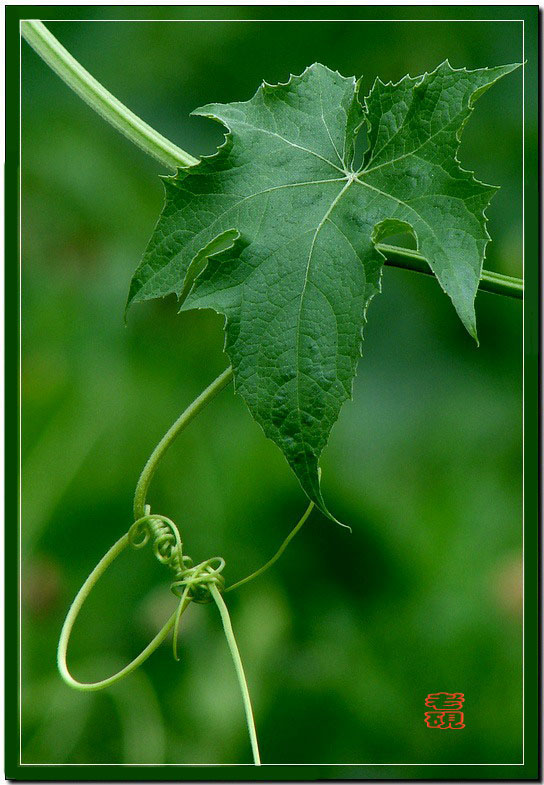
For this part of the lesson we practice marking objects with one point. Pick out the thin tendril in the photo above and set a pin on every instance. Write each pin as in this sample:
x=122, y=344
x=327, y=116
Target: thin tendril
x=191, y=583
x=177, y=621
x=180, y=424
x=278, y=553
x=73, y=613
x=231, y=640
x=199, y=583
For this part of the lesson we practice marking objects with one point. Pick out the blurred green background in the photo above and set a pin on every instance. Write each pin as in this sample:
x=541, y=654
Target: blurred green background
x=345, y=637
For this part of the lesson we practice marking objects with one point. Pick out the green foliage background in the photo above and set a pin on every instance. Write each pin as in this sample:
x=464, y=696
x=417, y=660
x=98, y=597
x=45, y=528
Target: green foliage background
x=345, y=637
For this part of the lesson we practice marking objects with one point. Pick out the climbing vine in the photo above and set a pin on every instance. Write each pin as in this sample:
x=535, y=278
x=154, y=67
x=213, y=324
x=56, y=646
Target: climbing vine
x=282, y=231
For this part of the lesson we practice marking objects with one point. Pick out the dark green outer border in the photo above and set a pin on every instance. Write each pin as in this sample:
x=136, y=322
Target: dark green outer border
x=530, y=769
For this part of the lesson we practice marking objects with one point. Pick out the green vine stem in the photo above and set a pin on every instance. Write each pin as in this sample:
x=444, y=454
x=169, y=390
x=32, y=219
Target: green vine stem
x=151, y=142
x=99, y=99
x=183, y=420
x=497, y=283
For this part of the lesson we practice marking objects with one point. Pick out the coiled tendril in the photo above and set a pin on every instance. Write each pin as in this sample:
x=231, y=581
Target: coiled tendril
x=199, y=583
x=191, y=583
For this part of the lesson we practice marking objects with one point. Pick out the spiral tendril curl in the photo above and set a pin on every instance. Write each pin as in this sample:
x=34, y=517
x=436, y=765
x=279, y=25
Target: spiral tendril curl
x=191, y=583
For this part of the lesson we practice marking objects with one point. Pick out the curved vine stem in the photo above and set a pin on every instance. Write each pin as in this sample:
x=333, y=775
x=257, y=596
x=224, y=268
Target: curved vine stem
x=99, y=99
x=151, y=142
x=181, y=423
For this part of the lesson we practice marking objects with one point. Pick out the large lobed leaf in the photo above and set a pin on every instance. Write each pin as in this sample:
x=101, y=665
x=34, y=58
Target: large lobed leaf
x=277, y=232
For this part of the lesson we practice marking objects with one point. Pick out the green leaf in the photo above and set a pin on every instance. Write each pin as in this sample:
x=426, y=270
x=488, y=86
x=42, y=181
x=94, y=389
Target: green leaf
x=288, y=229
